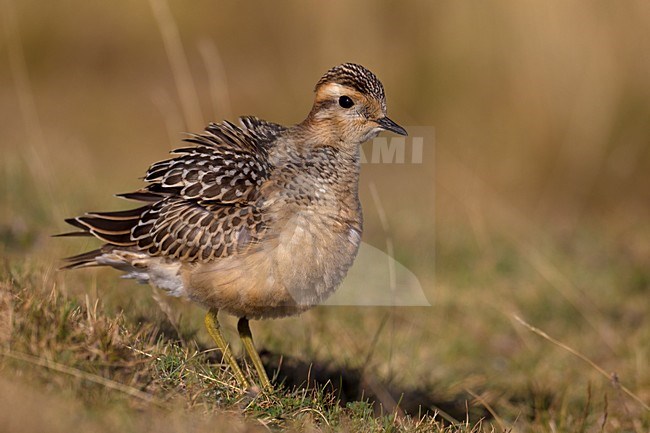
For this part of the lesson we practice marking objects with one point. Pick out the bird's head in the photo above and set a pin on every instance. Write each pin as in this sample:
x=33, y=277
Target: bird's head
x=350, y=105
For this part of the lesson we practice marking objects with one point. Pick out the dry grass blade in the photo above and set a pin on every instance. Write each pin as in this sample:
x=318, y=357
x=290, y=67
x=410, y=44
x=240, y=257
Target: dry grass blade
x=110, y=384
x=489, y=408
x=179, y=64
x=524, y=234
x=390, y=250
x=216, y=72
x=36, y=143
x=189, y=370
x=612, y=377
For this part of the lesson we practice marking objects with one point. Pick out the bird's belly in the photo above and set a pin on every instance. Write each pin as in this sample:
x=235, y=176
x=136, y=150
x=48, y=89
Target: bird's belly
x=296, y=269
x=312, y=256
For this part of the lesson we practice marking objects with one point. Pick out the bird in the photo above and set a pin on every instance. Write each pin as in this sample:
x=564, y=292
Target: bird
x=255, y=219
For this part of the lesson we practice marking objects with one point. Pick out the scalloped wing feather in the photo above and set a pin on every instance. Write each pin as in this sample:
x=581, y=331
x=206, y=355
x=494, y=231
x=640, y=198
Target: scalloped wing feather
x=200, y=203
x=180, y=229
x=227, y=165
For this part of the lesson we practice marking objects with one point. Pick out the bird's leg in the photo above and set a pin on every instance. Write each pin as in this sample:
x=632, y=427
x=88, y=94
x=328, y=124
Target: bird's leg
x=247, y=340
x=212, y=324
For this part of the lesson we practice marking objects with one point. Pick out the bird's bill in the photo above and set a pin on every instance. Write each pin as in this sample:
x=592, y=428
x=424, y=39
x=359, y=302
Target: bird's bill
x=389, y=125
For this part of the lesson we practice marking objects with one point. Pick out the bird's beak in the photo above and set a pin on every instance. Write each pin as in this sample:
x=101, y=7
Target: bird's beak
x=389, y=125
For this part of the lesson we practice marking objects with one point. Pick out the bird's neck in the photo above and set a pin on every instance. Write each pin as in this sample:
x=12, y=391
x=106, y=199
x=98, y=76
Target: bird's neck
x=312, y=164
x=322, y=141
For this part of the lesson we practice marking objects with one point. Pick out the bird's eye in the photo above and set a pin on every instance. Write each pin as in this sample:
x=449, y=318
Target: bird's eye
x=346, y=102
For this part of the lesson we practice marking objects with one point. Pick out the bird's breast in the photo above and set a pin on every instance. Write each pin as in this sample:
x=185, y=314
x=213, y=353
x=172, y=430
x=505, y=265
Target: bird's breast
x=299, y=265
x=314, y=253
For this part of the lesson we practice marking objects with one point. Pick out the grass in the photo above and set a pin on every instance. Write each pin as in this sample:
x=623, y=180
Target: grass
x=119, y=368
x=112, y=355
x=65, y=348
x=536, y=266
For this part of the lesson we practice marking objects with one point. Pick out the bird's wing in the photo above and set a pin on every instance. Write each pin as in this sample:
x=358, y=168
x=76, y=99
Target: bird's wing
x=201, y=203
x=189, y=231
x=265, y=132
x=174, y=228
x=227, y=164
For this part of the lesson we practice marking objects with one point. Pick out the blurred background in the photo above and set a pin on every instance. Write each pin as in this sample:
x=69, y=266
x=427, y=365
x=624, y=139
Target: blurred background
x=532, y=199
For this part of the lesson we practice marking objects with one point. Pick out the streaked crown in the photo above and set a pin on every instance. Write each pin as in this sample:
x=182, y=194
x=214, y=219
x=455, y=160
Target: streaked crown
x=356, y=77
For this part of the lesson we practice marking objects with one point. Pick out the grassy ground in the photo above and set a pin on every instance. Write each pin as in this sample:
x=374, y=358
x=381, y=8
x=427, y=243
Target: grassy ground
x=527, y=224
x=104, y=354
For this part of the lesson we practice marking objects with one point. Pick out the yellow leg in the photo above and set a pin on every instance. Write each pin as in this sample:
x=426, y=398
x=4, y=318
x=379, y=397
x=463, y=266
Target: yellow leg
x=212, y=323
x=247, y=340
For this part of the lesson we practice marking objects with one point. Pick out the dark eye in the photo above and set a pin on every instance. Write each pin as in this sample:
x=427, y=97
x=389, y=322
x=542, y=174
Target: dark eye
x=346, y=102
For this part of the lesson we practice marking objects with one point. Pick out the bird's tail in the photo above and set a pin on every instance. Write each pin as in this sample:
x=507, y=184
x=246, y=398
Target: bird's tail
x=86, y=259
x=114, y=228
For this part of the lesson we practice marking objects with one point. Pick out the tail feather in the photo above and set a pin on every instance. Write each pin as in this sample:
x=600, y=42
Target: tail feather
x=128, y=214
x=111, y=227
x=107, y=225
x=135, y=264
x=71, y=234
x=75, y=223
x=142, y=195
x=84, y=260
x=114, y=228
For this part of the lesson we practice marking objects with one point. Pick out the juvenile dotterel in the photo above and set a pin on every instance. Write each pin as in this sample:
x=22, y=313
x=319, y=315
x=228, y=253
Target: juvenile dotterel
x=259, y=220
